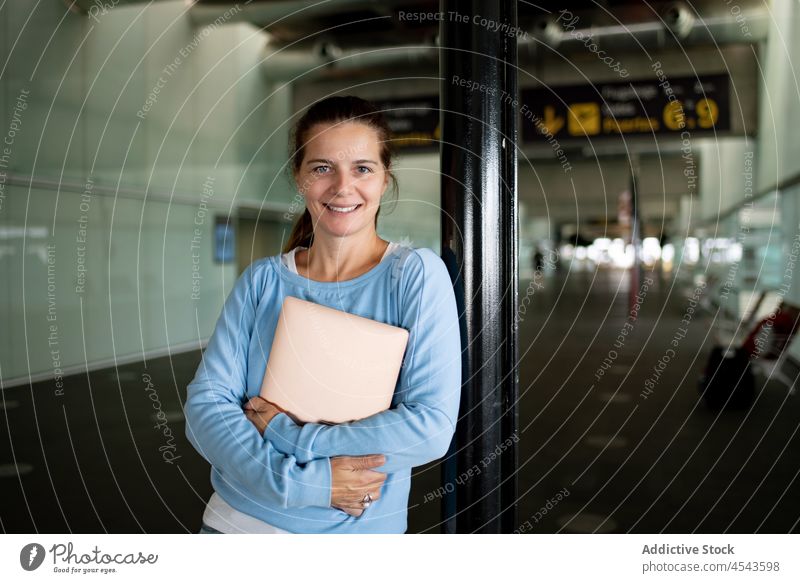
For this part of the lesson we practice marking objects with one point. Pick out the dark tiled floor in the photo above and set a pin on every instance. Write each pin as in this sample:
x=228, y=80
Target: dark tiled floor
x=630, y=464
x=663, y=463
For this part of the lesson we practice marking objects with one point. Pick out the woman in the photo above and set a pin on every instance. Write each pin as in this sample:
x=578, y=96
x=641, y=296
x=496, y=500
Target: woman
x=269, y=473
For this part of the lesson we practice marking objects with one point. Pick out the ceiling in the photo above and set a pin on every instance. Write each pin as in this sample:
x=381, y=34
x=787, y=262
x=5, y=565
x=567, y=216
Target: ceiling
x=370, y=23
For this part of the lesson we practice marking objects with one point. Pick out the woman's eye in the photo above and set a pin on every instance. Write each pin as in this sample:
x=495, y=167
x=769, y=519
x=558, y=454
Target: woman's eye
x=361, y=169
x=321, y=169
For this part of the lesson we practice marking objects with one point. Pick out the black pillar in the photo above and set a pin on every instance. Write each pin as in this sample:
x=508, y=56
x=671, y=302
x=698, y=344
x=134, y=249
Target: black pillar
x=480, y=247
x=636, y=233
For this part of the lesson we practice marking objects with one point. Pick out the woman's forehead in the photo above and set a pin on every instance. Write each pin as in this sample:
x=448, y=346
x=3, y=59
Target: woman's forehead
x=343, y=141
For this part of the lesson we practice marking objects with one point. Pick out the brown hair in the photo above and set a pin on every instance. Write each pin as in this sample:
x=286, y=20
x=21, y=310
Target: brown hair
x=334, y=110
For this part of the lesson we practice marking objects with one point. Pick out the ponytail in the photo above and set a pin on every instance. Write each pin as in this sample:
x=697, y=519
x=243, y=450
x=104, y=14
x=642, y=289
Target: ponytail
x=302, y=233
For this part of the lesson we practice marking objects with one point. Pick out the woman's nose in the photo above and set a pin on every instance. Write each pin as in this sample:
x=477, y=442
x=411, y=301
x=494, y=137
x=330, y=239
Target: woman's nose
x=343, y=183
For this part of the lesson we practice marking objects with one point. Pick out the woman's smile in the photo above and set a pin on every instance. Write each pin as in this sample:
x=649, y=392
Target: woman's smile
x=342, y=210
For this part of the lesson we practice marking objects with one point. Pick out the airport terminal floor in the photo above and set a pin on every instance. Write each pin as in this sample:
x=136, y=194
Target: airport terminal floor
x=609, y=439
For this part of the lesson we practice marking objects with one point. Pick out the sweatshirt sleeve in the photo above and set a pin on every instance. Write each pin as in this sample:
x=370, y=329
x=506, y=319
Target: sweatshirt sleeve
x=216, y=424
x=419, y=429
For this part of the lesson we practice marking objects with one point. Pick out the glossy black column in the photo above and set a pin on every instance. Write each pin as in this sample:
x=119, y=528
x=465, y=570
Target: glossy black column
x=479, y=245
x=637, y=271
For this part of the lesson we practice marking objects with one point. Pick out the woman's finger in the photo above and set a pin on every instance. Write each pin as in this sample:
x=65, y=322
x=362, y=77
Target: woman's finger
x=351, y=510
x=358, y=502
x=256, y=404
x=251, y=414
x=366, y=462
x=373, y=494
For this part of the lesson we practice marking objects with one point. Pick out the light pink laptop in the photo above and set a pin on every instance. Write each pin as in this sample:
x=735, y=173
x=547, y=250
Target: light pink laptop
x=329, y=366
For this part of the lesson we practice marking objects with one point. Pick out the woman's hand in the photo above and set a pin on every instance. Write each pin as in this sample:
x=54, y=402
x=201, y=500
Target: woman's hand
x=260, y=412
x=352, y=479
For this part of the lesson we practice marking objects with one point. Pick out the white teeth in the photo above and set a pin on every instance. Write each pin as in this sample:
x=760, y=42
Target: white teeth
x=342, y=209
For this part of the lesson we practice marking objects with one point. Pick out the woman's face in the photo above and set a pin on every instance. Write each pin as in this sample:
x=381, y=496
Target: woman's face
x=342, y=169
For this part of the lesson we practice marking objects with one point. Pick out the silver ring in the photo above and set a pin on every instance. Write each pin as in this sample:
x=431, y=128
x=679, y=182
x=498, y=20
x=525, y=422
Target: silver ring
x=366, y=501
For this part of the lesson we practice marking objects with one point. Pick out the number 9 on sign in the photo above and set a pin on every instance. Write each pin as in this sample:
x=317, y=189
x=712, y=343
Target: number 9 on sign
x=707, y=113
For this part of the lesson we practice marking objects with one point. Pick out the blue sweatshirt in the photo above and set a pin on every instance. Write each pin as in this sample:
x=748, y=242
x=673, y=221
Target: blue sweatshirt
x=284, y=477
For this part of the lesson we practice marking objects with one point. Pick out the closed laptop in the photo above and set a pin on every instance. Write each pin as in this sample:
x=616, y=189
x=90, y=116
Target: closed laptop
x=329, y=366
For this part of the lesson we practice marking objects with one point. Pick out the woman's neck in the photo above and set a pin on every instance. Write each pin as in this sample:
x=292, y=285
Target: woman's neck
x=331, y=259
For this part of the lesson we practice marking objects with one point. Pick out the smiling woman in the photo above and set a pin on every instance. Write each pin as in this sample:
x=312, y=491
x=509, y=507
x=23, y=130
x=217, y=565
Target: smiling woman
x=341, y=160
x=269, y=473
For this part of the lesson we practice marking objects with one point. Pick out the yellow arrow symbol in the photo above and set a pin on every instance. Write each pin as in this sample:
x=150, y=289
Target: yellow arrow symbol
x=552, y=123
